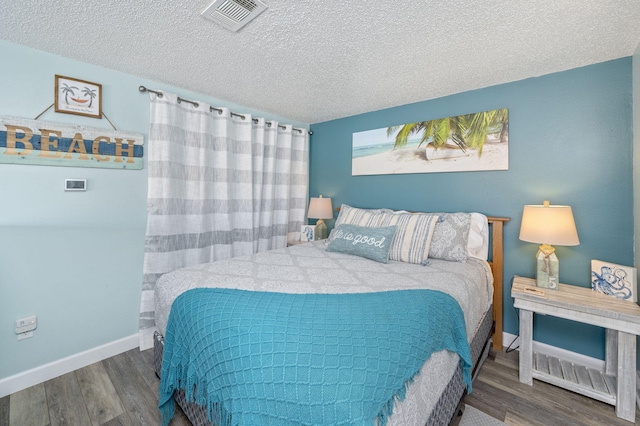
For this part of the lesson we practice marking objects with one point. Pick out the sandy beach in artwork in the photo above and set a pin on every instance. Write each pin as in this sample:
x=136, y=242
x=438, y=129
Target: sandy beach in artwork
x=495, y=156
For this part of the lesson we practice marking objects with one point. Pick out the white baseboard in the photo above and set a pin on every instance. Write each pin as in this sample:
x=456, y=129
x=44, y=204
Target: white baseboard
x=554, y=351
x=66, y=365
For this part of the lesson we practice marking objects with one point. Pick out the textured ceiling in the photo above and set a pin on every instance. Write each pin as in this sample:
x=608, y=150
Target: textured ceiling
x=313, y=61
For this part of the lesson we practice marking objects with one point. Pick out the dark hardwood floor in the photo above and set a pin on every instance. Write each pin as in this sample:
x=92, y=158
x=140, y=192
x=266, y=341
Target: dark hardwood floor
x=123, y=390
x=498, y=392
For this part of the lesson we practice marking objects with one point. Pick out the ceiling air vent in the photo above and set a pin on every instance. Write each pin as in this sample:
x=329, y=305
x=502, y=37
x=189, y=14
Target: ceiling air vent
x=234, y=14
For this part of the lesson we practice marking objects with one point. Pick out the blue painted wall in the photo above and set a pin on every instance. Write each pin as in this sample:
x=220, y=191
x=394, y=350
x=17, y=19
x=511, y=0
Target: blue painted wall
x=570, y=141
x=72, y=259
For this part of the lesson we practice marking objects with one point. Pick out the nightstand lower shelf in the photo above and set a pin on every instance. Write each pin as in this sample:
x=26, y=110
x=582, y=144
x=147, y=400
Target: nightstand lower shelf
x=577, y=378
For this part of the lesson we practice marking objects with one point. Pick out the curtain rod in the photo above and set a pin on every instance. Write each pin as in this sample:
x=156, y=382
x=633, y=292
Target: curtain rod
x=143, y=89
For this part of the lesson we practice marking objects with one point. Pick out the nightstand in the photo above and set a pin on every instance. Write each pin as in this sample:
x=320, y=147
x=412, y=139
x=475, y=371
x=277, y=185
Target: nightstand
x=617, y=384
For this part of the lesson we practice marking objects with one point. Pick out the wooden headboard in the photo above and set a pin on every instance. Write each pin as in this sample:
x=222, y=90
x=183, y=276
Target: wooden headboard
x=497, y=268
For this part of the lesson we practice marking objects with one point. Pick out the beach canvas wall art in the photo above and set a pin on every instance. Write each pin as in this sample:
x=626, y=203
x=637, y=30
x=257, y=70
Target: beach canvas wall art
x=470, y=142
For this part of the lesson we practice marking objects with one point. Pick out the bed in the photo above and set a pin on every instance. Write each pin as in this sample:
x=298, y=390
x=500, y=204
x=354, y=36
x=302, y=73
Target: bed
x=431, y=393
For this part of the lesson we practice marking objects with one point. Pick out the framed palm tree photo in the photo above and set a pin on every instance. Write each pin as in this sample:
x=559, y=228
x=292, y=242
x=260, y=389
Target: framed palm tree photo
x=462, y=143
x=79, y=97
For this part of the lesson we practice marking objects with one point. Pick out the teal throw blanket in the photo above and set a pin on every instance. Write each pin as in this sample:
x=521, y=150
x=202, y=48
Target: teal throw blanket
x=260, y=358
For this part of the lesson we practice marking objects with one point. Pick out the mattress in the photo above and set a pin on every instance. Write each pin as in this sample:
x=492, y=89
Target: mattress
x=308, y=268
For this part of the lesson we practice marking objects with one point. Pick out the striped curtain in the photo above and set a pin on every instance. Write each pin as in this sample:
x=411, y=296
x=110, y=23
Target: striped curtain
x=220, y=186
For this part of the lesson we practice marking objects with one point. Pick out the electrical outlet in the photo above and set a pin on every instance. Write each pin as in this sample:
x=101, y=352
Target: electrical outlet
x=26, y=335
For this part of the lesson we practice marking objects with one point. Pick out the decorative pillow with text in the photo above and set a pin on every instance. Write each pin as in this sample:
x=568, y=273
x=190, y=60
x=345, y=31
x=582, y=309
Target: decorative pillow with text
x=372, y=243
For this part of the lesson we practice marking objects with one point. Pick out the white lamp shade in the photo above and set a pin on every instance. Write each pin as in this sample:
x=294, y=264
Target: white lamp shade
x=320, y=208
x=548, y=224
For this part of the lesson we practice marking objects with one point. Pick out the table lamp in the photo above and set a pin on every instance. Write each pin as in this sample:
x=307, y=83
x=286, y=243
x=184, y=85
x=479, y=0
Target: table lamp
x=320, y=208
x=548, y=225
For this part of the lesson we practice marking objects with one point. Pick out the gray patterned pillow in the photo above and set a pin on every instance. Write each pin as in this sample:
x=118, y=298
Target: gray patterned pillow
x=451, y=237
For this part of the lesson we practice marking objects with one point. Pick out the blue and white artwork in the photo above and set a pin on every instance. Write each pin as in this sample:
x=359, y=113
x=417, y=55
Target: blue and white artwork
x=307, y=233
x=614, y=280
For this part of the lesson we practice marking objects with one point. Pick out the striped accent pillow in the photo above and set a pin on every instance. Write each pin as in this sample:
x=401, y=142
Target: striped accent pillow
x=413, y=235
x=361, y=217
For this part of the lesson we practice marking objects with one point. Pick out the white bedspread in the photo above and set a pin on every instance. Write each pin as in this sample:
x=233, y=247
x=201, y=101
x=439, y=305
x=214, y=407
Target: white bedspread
x=308, y=268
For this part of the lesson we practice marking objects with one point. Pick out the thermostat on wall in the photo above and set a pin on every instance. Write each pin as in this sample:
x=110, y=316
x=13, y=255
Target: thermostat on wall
x=75, y=184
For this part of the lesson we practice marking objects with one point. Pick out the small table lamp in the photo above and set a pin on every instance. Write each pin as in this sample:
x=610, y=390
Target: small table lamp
x=548, y=225
x=320, y=208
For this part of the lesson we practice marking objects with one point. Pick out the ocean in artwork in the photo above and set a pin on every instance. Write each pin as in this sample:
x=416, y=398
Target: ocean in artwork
x=363, y=151
x=470, y=142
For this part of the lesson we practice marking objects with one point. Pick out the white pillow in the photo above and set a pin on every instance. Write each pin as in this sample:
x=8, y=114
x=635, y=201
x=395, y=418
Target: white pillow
x=478, y=244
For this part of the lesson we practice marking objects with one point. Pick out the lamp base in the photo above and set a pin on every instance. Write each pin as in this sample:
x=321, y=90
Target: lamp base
x=320, y=230
x=547, y=268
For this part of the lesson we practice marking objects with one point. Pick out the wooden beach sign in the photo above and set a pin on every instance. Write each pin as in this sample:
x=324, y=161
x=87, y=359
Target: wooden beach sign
x=24, y=141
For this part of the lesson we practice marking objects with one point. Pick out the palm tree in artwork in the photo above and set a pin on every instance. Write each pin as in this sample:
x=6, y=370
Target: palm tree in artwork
x=482, y=124
x=66, y=89
x=90, y=93
x=465, y=131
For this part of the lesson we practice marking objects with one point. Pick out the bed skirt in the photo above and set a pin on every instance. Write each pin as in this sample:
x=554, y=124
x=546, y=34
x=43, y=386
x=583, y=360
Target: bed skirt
x=441, y=415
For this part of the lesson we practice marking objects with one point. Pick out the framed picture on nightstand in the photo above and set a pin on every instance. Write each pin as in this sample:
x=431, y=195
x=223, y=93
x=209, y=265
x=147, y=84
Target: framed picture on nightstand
x=614, y=280
x=307, y=233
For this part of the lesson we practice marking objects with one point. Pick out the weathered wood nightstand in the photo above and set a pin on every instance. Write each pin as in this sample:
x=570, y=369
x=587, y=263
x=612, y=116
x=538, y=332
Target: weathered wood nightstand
x=617, y=384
